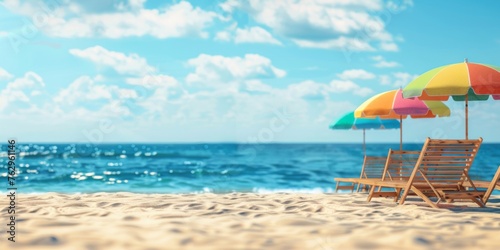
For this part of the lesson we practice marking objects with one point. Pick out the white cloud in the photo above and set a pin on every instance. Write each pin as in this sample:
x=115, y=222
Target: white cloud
x=308, y=88
x=126, y=93
x=131, y=64
x=254, y=35
x=396, y=6
x=214, y=69
x=4, y=75
x=72, y=19
x=334, y=109
x=351, y=25
x=85, y=89
x=397, y=79
x=402, y=78
x=356, y=74
x=153, y=81
x=384, y=79
x=342, y=86
x=344, y=43
x=223, y=36
x=21, y=90
x=257, y=86
x=380, y=62
x=246, y=35
x=389, y=46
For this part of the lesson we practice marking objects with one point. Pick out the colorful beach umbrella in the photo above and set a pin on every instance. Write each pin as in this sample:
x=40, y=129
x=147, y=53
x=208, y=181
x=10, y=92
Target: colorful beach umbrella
x=462, y=81
x=392, y=105
x=348, y=121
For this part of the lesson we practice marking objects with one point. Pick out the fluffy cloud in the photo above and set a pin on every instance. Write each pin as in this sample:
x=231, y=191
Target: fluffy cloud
x=380, y=62
x=257, y=86
x=254, y=35
x=350, y=25
x=312, y=89
x=341, y=43
x=112, y=19
x=397, y=79
x=342, y=86
x=4, y=75
x=87, y=89
x=247, y=35
x=214, y=69
x=356, y=74
x=223, y=36
x=131, y=64
x=153, y=81
x=402, y=78
x=21, y=90
x=389, y=46
x=308, y=88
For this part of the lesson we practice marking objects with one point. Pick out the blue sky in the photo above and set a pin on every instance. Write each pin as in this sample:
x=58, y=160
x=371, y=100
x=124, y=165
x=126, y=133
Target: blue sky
x=231, y=71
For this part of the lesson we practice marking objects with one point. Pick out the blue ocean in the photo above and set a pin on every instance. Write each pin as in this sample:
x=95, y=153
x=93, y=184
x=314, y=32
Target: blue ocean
x=195, y=168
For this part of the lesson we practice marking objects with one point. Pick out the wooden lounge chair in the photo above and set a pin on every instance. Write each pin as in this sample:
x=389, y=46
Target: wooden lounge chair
x=489, y=186
x=399, y=166
x=373, y=167
x=440, y=171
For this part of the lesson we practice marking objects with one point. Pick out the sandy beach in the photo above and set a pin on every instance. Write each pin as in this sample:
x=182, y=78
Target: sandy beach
x=246, y=221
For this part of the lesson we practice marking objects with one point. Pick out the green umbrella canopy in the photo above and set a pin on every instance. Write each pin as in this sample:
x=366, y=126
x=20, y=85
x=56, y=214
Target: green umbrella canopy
x=348, y=121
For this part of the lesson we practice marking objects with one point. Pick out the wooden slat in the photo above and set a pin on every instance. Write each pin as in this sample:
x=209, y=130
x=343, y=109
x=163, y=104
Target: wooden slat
x=385, y=194
x=439, y=157
x=447, y=172
x=373, y=166
x=482, y=184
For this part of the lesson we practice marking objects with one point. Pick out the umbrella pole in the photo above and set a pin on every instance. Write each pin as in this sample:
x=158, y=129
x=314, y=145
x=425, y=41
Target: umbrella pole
x=364, y=143
x=400, y=132
x=466, y=116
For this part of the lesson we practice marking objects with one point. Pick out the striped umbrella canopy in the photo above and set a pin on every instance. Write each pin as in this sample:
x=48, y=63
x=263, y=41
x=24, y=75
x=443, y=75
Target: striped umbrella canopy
x=391, y=105
x=348, y=121
x=462, y=81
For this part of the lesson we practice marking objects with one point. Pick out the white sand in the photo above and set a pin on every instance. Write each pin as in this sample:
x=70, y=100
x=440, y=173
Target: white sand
x=246, y=221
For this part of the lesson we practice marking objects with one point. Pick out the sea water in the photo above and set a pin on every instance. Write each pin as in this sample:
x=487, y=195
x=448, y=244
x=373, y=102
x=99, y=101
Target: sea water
x=194, y=168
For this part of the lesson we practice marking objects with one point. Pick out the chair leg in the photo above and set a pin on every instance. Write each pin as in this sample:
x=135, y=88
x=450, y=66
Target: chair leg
x=398, y=193
x=372, y=189
x=422, y=195
x=478, y=201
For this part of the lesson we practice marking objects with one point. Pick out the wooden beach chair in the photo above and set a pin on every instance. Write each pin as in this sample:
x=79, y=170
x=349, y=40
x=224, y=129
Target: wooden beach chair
x=373, y=167
x=399, y=166
x=441, y=171
x=488, y=186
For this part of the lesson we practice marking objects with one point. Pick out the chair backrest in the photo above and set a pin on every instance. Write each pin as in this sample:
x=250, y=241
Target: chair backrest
x=445, y=163
x=373, y=167
x=400, y=164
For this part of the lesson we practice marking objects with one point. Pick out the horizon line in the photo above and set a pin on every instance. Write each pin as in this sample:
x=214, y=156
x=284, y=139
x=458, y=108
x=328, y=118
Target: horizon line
x=222, y=142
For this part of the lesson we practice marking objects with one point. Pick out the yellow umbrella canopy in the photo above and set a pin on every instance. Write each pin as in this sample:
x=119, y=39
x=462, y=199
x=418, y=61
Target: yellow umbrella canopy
x=462, y=81
x=392, y=105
